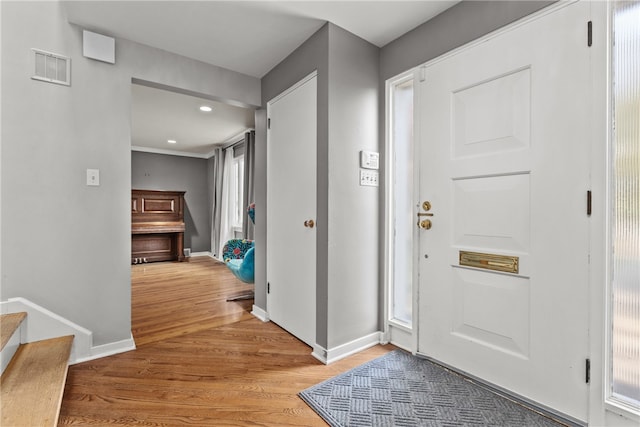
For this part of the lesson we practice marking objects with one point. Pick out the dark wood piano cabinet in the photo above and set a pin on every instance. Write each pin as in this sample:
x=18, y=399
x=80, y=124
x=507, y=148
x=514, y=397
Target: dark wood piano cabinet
x=157, y=226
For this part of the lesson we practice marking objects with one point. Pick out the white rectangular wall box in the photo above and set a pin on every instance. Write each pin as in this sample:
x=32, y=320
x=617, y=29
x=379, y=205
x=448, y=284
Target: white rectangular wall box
x=99, y=47
x=369, y=159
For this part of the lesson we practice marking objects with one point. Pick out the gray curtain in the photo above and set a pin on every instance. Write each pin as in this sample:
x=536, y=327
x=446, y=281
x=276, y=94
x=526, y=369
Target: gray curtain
x=249, y=167
x=216, y=164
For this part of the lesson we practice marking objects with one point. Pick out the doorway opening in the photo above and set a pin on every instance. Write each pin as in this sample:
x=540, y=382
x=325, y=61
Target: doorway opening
x=178, y=143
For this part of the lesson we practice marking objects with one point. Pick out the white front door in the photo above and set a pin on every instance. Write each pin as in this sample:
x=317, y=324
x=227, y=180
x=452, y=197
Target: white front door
x=503, y=270
x=291, y=206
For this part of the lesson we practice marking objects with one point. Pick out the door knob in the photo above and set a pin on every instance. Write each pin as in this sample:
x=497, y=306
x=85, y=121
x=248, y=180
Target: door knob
x=309, y=223
x=425, y=224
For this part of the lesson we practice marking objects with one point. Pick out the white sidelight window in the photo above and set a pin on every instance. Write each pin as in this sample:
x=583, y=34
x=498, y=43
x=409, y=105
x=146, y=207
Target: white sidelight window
x=402, y=200
x=624, y=247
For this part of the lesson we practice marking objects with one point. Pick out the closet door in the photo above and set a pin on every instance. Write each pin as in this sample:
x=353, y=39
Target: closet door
x=291, y=210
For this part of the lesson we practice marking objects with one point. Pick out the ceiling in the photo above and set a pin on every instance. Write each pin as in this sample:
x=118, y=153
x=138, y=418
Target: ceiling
x=249, y=37
x=158, y=116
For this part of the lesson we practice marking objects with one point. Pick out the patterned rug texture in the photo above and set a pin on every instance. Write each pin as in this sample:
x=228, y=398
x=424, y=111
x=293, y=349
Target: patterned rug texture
x=399, y=389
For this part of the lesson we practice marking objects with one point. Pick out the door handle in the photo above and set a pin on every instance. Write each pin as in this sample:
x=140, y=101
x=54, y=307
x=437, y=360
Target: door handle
x=309, y=223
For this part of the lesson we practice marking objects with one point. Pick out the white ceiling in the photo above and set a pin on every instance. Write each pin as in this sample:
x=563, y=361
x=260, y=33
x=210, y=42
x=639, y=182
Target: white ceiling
x=250, y=37
x=158, y=115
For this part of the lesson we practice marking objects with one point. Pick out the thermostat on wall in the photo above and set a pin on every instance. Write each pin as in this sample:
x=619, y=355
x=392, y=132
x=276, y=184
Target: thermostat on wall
x=369, y=159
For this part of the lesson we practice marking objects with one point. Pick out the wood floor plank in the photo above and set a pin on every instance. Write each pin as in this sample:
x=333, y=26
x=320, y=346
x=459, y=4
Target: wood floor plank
x=31, y=387
x=200, y=360
x=9, y=323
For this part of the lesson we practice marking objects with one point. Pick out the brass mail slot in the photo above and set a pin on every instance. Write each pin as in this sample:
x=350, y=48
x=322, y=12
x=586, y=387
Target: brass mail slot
x=505, y=263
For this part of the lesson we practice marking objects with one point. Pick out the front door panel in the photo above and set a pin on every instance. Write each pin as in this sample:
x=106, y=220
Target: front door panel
x=503, y=162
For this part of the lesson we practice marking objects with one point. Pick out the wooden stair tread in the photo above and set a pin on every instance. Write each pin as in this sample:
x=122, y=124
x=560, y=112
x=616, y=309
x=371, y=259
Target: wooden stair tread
x=8, y=324
x=31, y=388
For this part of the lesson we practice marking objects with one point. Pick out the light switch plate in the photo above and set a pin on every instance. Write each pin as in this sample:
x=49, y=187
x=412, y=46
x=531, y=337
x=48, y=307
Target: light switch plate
x=93, y=177
x=369, y=178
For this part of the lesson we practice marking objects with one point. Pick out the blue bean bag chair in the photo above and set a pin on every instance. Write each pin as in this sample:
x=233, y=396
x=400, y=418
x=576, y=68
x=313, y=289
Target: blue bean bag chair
x=239, y=257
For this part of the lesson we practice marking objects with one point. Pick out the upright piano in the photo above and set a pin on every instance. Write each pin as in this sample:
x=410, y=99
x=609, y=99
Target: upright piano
x=157, y=226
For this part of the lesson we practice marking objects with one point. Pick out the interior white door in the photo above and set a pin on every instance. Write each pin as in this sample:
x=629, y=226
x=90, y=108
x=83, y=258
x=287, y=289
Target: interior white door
x=291, y=210
x=504, y=164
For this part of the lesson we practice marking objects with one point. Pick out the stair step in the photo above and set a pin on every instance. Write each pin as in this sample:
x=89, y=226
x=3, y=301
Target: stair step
x=31, y=388
x=8, y=325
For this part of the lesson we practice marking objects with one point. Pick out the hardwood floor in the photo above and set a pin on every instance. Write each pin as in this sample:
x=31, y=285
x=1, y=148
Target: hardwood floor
x=200, y=360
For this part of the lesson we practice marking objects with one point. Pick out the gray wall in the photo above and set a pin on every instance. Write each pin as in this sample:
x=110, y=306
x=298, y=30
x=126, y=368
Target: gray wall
x=347, y=232
x=354, y=244
x=66, y=246
x=79, y=235
x=312, y=55
x=150, y=171
x=260, y=229
x=464, y=22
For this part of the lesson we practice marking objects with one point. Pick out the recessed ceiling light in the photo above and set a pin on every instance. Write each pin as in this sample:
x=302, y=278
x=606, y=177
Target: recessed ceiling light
x=205, y=108
x=171, y=141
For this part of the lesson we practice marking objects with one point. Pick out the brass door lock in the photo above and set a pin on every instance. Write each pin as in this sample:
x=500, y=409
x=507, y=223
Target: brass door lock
x=425, y=224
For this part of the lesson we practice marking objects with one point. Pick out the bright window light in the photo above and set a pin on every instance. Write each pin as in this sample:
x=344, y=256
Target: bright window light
x=624, y=387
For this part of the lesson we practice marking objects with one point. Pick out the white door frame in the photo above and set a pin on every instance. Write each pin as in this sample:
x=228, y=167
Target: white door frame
x=601, y=411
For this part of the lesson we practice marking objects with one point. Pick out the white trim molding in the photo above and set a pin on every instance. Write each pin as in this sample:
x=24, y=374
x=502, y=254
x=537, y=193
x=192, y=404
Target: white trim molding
x=42, y=324
x=342, y=351
x=108, y=349
x=260, y=313
x=197, y=254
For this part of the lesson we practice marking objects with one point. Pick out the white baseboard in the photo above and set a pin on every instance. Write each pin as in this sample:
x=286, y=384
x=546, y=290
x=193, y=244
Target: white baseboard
x=401, y=337
x=260, y=313
x=320, y=353
x=42, y=324
x=195, y=254
x=109, y=349
x=328, y=356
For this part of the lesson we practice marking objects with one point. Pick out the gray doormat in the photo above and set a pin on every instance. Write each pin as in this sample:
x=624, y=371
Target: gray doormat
x=399, y=389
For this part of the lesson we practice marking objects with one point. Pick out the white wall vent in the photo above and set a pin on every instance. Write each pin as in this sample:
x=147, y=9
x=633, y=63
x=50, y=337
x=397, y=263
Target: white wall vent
x=51, y=67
